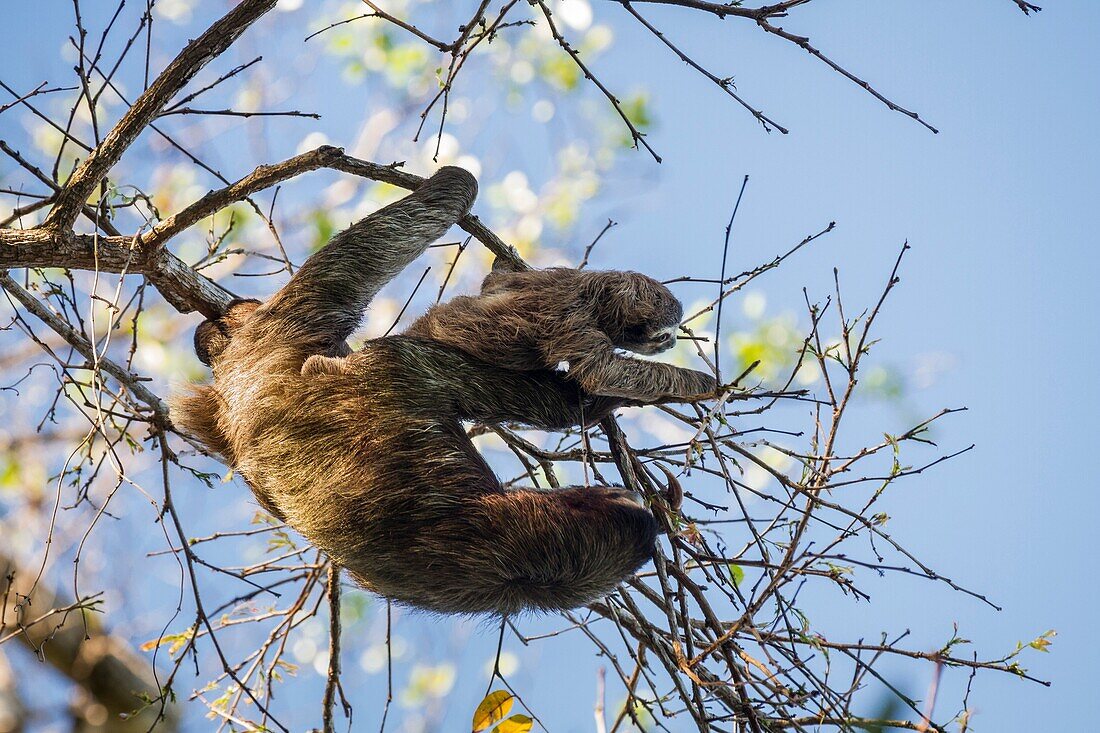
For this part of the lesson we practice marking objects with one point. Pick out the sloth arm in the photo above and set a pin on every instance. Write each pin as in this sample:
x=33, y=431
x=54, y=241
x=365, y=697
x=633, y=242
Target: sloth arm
x=541, y=399
x=436, y=381
x=488, y=393
x=596, y=367
x=324, y=301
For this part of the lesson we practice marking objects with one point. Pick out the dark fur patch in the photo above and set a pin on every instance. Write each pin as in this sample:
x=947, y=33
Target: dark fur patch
x=213, y=335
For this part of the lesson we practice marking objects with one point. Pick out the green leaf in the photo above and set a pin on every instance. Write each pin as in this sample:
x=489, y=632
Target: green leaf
x=323, y=229
x=737, y=573
x=9, y=474
x=493, y=708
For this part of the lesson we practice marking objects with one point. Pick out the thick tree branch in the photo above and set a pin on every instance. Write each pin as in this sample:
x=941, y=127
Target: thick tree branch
x=181, y=286
x=325, y=156
x=263, y=177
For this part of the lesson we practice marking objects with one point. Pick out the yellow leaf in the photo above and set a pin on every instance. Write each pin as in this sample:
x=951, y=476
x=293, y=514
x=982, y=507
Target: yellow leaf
x=515, y=724
x=176, y=641
x=1043, y=641
x=493, y=708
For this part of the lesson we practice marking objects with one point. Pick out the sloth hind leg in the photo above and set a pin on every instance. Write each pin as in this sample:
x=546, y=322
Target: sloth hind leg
x=324, y=301
x=563, y=548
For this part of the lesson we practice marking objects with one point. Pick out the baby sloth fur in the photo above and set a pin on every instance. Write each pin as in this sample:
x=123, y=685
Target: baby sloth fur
x=365, y=453
x=572, y=321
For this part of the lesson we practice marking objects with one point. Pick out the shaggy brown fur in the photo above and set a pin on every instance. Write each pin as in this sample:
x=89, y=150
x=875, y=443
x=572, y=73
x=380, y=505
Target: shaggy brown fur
x=573, y=321
x=366, y=455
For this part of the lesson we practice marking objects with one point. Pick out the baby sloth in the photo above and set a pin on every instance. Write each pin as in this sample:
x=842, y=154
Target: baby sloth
x=365, y=453
x=573, y=321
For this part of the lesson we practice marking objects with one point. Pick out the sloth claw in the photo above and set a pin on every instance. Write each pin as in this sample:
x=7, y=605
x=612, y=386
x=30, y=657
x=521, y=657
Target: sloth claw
x=674, y=492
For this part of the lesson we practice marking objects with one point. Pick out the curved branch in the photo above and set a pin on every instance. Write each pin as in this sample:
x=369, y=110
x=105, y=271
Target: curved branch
x=325, y=156
x=185, y=289
x=214, y=201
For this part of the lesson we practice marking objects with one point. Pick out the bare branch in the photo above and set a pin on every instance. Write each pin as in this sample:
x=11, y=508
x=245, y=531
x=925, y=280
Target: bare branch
x=199, y=52
x=84, y=347
x=332, y=681
x=185, y=289
x=263, y=177
x=70, y=638
x=180, y=285
x=635, y=134
x=726, y=85
x=379, y=13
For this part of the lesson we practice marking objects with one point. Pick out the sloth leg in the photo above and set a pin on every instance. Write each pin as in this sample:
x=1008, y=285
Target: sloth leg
x=562, y=548
x=324, y=301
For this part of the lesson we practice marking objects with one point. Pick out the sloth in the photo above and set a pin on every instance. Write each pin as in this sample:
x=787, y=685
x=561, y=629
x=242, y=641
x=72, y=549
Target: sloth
x=365, y=453
x=573, y=321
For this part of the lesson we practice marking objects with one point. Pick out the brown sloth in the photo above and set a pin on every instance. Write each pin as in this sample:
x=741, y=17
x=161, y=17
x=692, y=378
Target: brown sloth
x=365, y=453
x=572, y=321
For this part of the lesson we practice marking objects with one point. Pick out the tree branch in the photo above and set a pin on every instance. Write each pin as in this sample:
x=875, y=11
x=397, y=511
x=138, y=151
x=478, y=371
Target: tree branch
x=145, y=109
x=181, y=286
x=1028, y=8
x=263, y=177
x=78, y=341
x=725, y=85
x=74, y=642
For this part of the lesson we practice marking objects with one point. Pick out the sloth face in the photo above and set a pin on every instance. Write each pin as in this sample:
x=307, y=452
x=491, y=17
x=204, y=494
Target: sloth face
x=648, y=315
x=649, y=339
x=213, y=335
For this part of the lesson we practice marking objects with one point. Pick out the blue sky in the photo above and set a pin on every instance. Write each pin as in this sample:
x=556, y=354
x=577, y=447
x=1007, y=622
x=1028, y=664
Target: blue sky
x=1000, y=275
x=999, y=284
